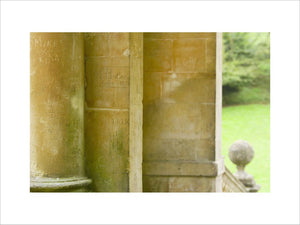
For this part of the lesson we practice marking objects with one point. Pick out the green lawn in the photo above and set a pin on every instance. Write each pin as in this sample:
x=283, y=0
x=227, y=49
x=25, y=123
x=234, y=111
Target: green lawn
x=250, y=123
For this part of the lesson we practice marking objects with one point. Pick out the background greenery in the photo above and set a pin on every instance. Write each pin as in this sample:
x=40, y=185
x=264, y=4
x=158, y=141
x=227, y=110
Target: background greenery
x=246, y=100
x=246, y=68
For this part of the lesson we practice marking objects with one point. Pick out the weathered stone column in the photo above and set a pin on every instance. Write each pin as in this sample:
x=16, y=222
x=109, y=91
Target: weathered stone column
x=56, y=112
x=113, y=112
x=182, y=112
x=136, y=112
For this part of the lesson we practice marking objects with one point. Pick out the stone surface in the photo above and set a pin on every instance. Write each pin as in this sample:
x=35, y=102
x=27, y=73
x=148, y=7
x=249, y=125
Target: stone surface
x=107, y=111
x=174, y=125
x=106, y=147
x=181, y=184
x=73, y=184
x=218, y=69
x=113, y=112
x=179, y=123
x=184, y=168
x=56, y=105
x=136, y=112
x=231, y=183
x=110, y=87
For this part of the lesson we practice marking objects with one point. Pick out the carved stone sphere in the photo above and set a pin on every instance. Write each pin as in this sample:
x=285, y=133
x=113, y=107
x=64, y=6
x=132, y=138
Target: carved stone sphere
x=241, y=153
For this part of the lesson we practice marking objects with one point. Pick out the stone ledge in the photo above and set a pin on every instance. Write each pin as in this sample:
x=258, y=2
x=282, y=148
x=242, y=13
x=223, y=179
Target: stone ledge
x=44, y=184
x=184, y=168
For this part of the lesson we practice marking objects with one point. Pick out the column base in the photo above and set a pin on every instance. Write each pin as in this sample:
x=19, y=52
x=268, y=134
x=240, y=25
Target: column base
x=70, y=184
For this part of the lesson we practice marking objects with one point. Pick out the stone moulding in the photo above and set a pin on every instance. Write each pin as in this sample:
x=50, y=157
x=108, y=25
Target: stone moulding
x=188, y=168
x=59, y=184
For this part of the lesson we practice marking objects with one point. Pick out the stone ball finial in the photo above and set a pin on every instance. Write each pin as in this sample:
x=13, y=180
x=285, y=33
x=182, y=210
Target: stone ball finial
x=241, y=153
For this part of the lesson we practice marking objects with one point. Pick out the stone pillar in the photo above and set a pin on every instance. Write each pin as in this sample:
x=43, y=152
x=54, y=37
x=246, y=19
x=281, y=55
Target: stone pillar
x=136, y=113
x=182, y=113
x=113, y=112
x=218, y=57
x=56, y=112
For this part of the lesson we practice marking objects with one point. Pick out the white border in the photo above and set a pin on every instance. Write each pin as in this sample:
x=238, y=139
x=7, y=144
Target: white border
x=280, y=18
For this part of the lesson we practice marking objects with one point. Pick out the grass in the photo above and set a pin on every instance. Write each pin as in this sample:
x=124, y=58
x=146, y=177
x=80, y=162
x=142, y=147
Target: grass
x=250, y=123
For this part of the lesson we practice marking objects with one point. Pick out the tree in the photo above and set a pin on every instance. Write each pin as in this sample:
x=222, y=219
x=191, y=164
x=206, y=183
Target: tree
x=246, y=60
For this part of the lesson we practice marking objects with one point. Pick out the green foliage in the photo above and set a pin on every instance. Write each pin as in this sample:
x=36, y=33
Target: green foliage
x=250, y=123
x=246, y=61
x=248, y=95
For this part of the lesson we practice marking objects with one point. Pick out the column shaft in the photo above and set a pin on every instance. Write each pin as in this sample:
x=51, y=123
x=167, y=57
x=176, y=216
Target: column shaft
x=56, y=111
x=107, y=111
x=113, y=112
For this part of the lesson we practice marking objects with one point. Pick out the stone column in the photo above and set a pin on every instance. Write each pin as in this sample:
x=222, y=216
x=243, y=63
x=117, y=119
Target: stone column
x=56, y=112
x=218, y=57
x=113, y=112
x=136, y=112
x=182, y=113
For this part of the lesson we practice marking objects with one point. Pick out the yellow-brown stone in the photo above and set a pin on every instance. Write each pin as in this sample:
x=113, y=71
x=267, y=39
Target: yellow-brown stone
x=120, y=100
x=113, y=113
x=106, y=146
x=179, y=111
x=56, y=105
